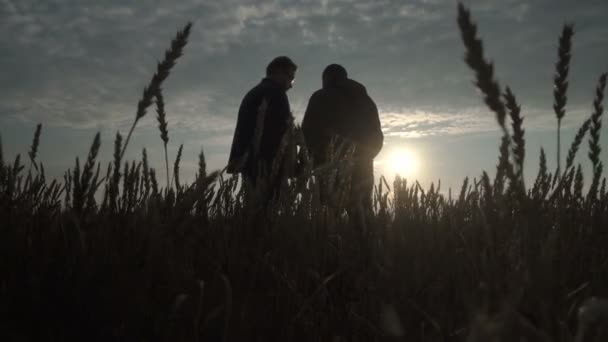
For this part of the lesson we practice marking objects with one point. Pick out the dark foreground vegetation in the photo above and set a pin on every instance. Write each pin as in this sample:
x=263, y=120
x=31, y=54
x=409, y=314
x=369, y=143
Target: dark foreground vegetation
x=495, y=261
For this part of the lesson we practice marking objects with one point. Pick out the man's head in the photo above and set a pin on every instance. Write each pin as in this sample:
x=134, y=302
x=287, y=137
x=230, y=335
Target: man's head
x=333, y=73
x=282, y=70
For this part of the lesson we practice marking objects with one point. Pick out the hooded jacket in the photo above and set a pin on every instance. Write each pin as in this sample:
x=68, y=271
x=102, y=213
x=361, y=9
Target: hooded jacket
x=344, y=109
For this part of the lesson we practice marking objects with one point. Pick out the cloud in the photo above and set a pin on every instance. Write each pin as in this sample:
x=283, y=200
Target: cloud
x=79, y=66
x=83, y=63
x=433, y=122
x=420, y=123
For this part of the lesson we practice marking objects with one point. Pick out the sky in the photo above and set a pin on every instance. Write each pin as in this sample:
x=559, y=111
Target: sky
x=79, y=67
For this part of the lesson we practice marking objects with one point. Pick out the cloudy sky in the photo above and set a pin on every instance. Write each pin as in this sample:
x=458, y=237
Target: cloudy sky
x=79, y=67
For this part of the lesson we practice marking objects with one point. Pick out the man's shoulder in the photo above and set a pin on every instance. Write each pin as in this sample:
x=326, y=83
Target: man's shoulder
x=263, y=89
x=325, y=93
x=356, y=86
x=320, y=97
x=318, y=93
x=268, y=85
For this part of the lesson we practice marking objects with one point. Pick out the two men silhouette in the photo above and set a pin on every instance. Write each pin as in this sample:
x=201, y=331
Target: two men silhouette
x=341, y=110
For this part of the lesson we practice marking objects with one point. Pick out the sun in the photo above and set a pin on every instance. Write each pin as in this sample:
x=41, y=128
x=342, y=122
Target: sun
x=403, y=162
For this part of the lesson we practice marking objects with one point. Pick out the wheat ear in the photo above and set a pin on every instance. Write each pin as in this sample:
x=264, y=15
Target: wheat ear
x=560, y=83
x=162, y=71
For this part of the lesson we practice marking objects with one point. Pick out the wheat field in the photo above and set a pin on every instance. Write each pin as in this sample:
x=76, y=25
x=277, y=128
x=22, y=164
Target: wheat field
x=107, y=254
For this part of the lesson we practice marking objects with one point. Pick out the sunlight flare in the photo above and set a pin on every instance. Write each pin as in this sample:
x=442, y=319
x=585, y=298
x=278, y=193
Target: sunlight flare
x=403, y=162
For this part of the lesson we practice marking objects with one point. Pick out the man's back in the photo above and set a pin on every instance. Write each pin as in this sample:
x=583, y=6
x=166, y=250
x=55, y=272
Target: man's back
x=342, y=109
x=276, y=118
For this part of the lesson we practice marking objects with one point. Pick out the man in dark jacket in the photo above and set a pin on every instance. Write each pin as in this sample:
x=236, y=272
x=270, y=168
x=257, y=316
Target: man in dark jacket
x=244, y=158
x=343, y=109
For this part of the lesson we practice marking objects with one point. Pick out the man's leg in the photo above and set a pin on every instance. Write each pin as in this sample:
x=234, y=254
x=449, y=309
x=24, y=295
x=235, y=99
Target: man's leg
x=360, y=208
x=363, y=184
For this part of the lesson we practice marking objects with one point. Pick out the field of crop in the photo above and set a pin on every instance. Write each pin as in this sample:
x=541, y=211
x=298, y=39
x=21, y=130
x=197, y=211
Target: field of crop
x=107, y=254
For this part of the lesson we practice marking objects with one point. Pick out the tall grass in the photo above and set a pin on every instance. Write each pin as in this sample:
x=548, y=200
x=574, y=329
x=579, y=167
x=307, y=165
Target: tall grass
x=210, y=261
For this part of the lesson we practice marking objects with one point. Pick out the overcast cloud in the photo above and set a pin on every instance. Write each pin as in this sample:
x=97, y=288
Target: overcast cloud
x=81, y=65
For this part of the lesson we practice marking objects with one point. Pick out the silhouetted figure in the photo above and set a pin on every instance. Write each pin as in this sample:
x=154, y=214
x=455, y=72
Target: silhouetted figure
x=343, y=109
x=280, y=74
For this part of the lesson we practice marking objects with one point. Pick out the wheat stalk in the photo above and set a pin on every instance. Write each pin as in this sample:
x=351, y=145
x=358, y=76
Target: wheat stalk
x=146, y=173
x=560, y=83
x=130, y=185
x=176, y=168
x=153, y=181
x=503, y=165
x=484, y=71
x=202, y=165
x=114, y=181
x=162, y=126
x=578, y=182
x=34, y=147
x=85, y=181
x=200, y=184
x=106, y=193
x=90, y=204
x=463, y=191
x=519, y=149
x=578, y=139
x=162, y=71
x=541, y=177
x=67, y=186
x=126, y=177
x=594, y=132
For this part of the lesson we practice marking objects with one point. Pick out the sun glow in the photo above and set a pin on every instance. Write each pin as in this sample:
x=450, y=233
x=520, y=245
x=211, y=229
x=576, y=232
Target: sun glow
x=403, y=162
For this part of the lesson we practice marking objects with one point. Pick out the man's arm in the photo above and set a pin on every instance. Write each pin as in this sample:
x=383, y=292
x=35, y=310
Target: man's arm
x=315, y=127
x=366, y=129
x=375, y=137
x=243, y=134
x=276, y=120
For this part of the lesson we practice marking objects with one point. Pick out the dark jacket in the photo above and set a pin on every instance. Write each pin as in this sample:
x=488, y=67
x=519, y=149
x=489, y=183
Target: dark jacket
x=276, y=120
x=345, y=110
